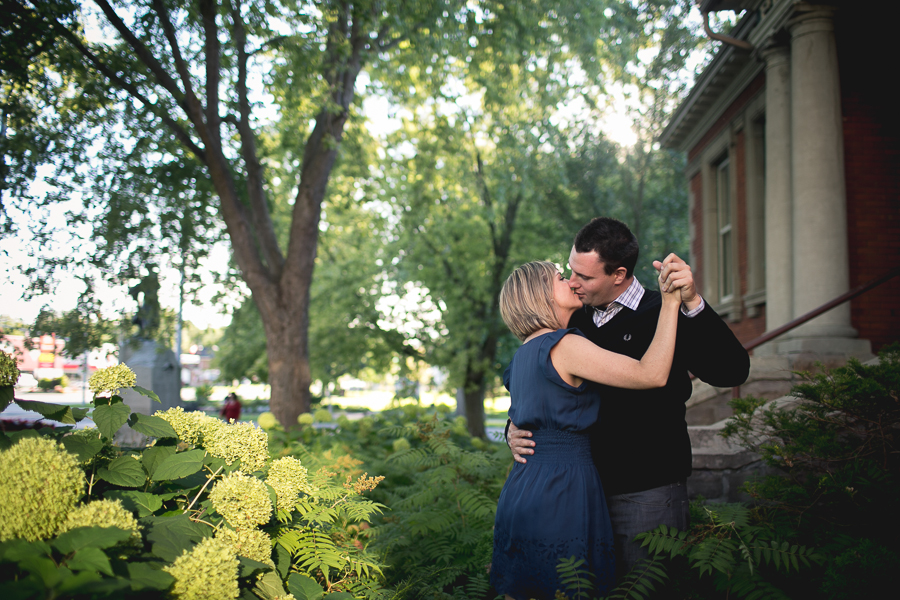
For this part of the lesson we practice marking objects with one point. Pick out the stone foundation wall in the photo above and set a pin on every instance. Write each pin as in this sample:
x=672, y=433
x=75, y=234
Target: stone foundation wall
x=720, y=467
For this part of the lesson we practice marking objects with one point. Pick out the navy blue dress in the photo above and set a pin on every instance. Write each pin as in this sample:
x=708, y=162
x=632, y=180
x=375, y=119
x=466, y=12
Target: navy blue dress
x=553, y=507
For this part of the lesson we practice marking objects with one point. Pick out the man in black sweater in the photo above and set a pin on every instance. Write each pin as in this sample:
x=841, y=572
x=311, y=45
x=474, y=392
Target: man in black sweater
x=641, y=445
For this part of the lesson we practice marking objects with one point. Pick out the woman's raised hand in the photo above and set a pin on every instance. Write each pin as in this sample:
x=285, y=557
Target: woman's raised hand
x=675, y=275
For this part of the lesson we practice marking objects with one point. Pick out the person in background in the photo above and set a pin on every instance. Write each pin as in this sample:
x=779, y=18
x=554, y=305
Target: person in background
x=232, y=408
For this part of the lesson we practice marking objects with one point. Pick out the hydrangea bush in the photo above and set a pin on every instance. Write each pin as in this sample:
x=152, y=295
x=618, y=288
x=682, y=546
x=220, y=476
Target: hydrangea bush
x=201, y=512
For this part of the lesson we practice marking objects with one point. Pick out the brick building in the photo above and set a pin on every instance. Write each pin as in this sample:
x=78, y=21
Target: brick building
x=793, y=141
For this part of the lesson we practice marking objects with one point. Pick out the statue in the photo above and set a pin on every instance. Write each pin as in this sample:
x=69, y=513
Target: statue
x=147, y=315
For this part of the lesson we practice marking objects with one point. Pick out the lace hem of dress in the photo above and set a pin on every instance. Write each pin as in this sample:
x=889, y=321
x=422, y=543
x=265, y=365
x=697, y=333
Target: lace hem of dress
x=526, y=569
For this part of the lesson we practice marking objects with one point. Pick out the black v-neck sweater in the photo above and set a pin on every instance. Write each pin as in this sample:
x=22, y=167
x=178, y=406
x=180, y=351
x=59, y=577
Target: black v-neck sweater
x=641, y=440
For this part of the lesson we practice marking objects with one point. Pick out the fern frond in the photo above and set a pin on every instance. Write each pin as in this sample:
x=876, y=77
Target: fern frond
x=745, y=584
x=638, y=584
x=317, y=551
x=415, y=458
x=576, y=579
x=665, y=540
x=713, y=554
x=473, y=502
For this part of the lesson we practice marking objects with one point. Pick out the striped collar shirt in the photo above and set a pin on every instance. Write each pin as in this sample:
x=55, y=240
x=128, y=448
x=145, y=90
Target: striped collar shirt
x=630, y=298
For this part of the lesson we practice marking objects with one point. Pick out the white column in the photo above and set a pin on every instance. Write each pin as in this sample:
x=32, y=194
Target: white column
x=821, y=266
x=779, y=222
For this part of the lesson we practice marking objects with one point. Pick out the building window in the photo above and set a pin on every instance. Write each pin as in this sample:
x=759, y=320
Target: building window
x=725, y=230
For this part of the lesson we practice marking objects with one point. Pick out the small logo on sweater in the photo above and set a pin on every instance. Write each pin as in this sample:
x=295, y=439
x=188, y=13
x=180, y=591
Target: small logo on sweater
x=627, y=337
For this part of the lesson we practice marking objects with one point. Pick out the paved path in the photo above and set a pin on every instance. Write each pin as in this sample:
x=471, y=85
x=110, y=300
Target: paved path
x=14, y=411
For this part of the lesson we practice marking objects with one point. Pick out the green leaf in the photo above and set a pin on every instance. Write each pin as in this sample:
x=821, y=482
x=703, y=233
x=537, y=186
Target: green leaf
x=142, y=503
x=45, y=569
x=154, y=456
x=190, y=482
x=269, y=586
x=125, y=471
x=90, y=559
x=144, y=577
x=48, y=410
x=147, y=393
x=338, y=596
x=151, y=426
x=81, y=580
x=7, y=395
x=83, y=447
x=282, y=561
x=110, y=418
x=171, y=536
x=15, y=436
x=214, y=463
x=304, y=587
x=249, y=567
x=179, y=465
x=18, y=549
x=5, y=442
x=89, y=537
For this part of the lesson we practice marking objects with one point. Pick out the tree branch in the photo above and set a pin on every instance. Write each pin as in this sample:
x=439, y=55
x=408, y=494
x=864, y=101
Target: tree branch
x=194, y=109
x=212, y=50
x=262, y=220
x=131, y=89
x=142, y=52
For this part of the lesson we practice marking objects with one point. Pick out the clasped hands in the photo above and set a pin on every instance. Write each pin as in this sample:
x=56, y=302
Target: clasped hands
x=675, y=274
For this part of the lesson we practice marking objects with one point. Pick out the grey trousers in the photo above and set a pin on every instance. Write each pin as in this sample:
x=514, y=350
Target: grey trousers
x=638, y=512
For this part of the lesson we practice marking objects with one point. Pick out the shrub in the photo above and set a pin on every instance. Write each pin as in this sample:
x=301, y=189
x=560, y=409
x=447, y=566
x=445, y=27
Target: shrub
x=439, y=495
x=836, y=452
x=188, y=516
x=39, y=484
x=821, y=523
x=49, y=384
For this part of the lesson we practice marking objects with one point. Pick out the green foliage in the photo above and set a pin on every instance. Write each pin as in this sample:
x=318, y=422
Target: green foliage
x=84, y=328
x=202, y=394
x=731, y=546
x=48, y=385
x=9, y=370
x=577, y=580
x=834, y=471
x=438, y=496
x=85, y=519
x=641, y=581
x=835, y=450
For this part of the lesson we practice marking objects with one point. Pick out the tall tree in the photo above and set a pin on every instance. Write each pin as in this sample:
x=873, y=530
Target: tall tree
x=192, y=72
x=479, y=156
x=512, y=176
x=467, y=217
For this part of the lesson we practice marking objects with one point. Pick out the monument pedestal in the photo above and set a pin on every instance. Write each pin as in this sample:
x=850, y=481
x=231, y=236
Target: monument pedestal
x=156, y=368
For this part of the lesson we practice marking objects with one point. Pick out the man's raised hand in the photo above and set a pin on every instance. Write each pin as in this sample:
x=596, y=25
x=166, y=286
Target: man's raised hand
x=676, y=274
x=520, y=443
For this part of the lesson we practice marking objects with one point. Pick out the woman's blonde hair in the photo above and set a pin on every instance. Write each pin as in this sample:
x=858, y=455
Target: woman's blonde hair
x=526, y=300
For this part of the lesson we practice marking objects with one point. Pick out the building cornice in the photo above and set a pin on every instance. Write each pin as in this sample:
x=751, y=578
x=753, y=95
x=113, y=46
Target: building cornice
x=731, y=69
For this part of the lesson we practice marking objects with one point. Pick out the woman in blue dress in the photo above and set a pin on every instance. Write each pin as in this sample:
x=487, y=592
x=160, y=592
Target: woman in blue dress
x=553, y=508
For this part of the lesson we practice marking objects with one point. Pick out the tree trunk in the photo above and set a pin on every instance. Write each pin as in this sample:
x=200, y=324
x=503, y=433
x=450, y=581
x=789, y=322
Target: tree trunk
x=288, y=350
x=473, y=395
x=475, y=385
